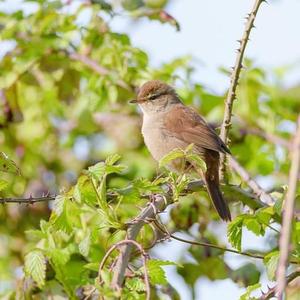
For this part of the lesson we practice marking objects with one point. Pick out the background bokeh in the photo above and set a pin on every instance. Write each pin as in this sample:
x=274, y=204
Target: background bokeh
x=60, y=113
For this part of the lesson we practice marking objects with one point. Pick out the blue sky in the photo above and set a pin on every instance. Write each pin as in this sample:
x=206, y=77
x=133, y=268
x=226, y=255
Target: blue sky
x=210, y=30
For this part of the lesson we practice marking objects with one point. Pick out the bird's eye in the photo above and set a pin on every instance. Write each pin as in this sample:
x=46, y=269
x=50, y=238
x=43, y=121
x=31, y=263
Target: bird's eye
x=152, y=97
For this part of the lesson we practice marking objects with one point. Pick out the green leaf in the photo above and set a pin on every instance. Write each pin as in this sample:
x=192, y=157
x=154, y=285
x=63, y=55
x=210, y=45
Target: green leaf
x=252, y=224
x=190, y=273
x=197, y=161
x=246, y=275
x=97, y=170
x=35, y=266
x=278, y=206
x=249, y=290
x=234, y=232
x=112, y=159
x=174, y=154
x=84, y=191
x=135, y=284
x=104, y=168
x=7, y=165
x=264, y=215
x=84, y=245
x=92, y=266
x=65, y=215
x=156, y=272
x=58, y=205
x=271, y=262
x=3, y=184
x=59, y=257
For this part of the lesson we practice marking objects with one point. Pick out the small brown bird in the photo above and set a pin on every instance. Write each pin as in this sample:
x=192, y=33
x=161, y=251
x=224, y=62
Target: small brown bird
x=169, y=124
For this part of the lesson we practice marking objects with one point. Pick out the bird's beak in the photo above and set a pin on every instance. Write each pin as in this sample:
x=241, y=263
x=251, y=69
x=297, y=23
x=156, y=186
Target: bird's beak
x=133, y=101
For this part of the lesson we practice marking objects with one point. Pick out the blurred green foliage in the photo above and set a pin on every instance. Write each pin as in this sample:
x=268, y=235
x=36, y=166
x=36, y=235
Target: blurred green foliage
x=64, y=91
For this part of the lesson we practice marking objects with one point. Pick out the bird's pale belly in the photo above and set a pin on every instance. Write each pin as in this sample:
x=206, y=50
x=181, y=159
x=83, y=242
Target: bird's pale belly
x=160, y=144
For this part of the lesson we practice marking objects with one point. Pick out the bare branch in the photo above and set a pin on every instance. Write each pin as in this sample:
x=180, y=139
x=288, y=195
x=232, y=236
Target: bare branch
x=159, y=203
x=288, y=212
x=272, y=138
x=95, y=66
x=204, y=244
x=144, y=256
x=256, y=188
x=29, y=200
x=231, y=96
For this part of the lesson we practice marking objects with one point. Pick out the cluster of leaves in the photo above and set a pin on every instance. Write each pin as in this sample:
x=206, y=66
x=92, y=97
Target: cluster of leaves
x=64, y=87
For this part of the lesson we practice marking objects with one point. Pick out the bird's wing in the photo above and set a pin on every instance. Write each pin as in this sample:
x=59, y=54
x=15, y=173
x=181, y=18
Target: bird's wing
x=185, y=124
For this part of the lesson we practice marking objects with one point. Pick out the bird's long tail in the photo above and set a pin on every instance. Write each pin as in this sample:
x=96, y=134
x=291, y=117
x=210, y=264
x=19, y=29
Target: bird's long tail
x=212, y=182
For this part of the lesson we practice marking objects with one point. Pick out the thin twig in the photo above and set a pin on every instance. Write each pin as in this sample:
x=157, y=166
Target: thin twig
x=231, y=96
x=203, y=244
x=29, y=200
x=95, y=66
x=271, y=291
x=256, y=188
x=270, y=137
x=144, y=257
x=288, y=212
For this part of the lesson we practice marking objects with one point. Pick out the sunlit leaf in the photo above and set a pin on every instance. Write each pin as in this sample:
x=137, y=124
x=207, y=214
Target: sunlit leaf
x=7, y=165
x=35, y=266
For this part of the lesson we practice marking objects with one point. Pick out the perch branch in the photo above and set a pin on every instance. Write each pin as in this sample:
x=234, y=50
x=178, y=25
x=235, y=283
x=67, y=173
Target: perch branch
x=231, y=96
x=143, y=254
x=288, y=215
x=234, y=193
x=159, y=203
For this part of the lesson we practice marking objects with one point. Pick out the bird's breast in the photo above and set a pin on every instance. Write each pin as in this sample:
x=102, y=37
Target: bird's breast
x=157, y=139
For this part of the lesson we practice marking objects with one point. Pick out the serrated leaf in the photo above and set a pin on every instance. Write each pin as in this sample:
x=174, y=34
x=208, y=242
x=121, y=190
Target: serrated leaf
x=84, y=245
x=249, y=290
x=3, y=184
x=58, y=205
x=59, y=256
x=135, y=284
x=253, y=225
x=174, y=154
x=97, y=170
x=197, y=161
x=265, y=215
x=278, y=206
x=84, y=191
x=35, y=266
x=7, y=165
x=112, y=159
x=65, y=215
x=92, y=266
x=104, y=168
x=271, y=262
x=156, y=272
x=234, y=232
